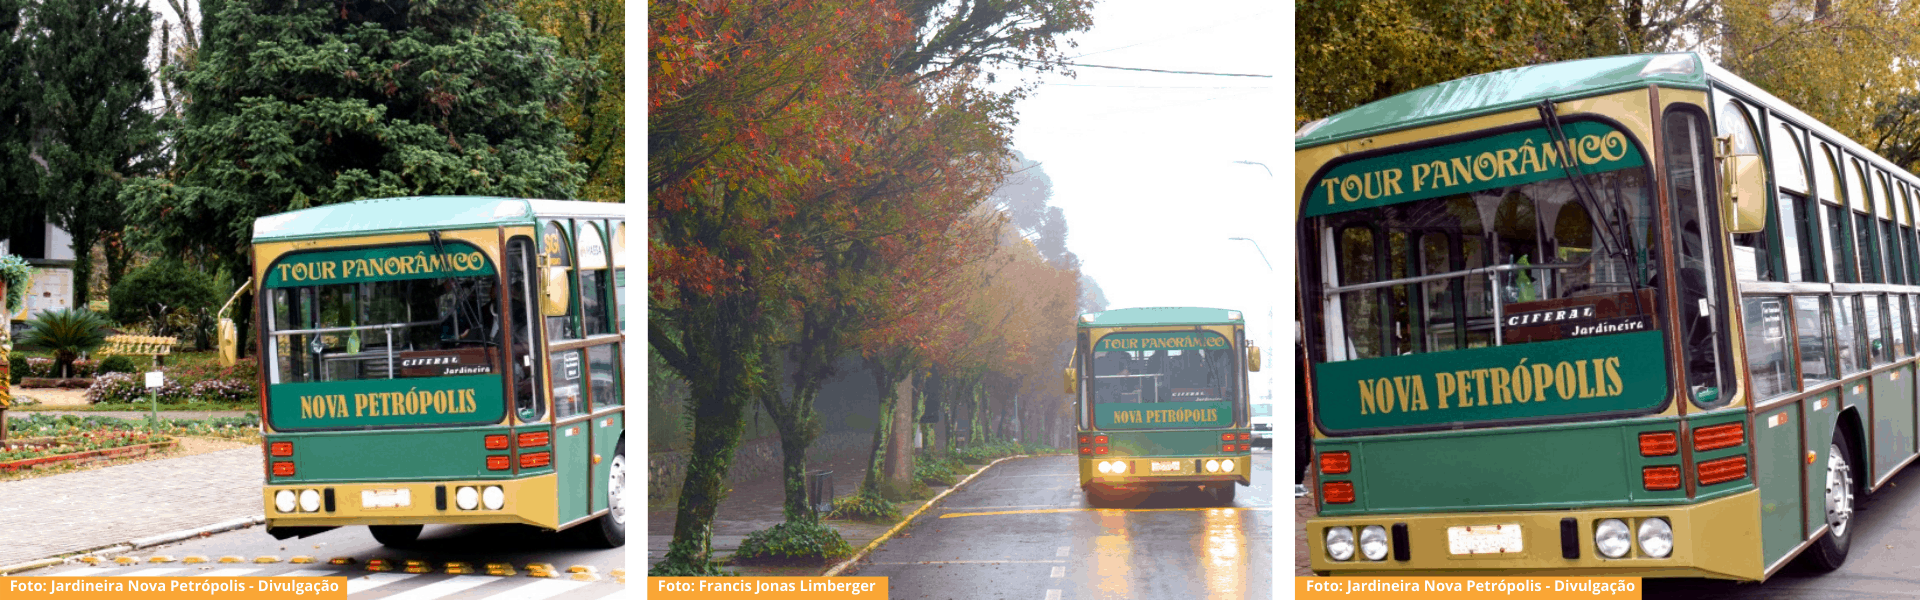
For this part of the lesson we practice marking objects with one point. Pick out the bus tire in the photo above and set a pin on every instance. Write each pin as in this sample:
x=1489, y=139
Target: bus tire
x=395, y=536
x=1843, y=491
x=1225, y=494
x=610, y=530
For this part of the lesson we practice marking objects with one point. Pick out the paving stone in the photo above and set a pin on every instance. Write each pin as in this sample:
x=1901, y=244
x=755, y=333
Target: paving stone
x=57, y=514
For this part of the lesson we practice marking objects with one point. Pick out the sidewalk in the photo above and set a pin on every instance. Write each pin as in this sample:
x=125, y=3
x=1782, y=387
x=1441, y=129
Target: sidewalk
x=757, y=505
x=52, y=515
x=138, y=415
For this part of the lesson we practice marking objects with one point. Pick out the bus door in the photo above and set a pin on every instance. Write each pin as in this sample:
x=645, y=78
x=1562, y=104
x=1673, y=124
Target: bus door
x=584, y=353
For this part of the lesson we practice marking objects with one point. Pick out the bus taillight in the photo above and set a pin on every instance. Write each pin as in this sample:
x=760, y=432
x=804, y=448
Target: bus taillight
x=497, y=442
x=498, y=462
x=1658, y=443
x=281, y=448
x=535, y=460
x=1661, y=478
x=1246, y=436
x=1723, y=470
x=1335, y=463
x=1226, y=437
x=533, y=439
x=1086, y=449
x=1099, y=439
x=1227, y=447
x=1083, y=439
x=1337, y=492
x=1099, y=449
x=282, y=468
x=1719, y=436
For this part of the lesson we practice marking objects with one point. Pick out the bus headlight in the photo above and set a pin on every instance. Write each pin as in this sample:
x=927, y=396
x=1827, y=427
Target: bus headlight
x=1105, y=467
x=494, y=497
x=1656, y=538
x=1227, y=465
x=283, y=500
x=1610, y=538
x=466, y=498
x=310, y=500
x=1373, y=542
x=1339, y=543
x=1213, y=466
x=1119, y=467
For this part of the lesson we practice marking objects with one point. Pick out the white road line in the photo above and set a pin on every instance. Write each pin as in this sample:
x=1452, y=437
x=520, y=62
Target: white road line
x=542, y=588
x=1061, y=552
x=312, y=573
x=444, y=587
x=229, y=572
x=1059, y=572
x=619, y=589
x=356, y=585
x=156, y=572
x=1053, y=594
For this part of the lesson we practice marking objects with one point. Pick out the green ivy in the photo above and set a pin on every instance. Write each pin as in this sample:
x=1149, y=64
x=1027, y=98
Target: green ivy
x=794, y=540
x=15, y=273
x=672, y=568
x=864, y=506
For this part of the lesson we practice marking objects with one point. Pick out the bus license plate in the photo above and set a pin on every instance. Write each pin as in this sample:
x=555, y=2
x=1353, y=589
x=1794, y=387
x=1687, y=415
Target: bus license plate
x=1167, y=466
x=1484, y=539
x=391, y=498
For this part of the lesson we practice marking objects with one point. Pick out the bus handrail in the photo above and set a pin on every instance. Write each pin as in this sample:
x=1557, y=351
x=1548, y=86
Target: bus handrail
x=1358, y=287
x=387, y=326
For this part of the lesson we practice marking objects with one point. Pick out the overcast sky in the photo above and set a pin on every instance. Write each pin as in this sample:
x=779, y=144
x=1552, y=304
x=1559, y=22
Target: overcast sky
x=1146, y=165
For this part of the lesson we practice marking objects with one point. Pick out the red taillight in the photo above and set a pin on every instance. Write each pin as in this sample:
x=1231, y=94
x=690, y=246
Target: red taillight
x=536, y=459
x=1227, y=447
x=1337, y=492
x=1226, y=437
x=1335, y=463
x=497, y=442
x=1086, y=449
x=280, y=448
x=1246, y=436
x=1099, y=449
x=1719, y=436
x=1246, y=447
x=533, y=439
x=1661, y=478
x=1083, y=439
x=1099, y=439
x=282, y=468
x=1658, y=443
x=1723, y=470
x=498, y=462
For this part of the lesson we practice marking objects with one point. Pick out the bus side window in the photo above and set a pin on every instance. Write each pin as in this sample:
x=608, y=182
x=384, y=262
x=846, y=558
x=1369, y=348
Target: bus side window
x=1846, y=335
x=1810, y=329
x=522, y=306
x=1768, y=347
x=555, y=246
x=1707, y=353
x=620, y=273
x=593, y=281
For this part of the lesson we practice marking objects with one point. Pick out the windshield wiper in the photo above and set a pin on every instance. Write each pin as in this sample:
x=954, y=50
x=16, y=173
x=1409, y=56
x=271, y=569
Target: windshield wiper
x=1550, y=117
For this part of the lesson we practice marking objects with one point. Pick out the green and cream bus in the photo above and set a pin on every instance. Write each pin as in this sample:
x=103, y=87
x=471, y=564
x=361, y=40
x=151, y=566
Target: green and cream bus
x=1161, y=399
x=1617, y=316
x=443, y=360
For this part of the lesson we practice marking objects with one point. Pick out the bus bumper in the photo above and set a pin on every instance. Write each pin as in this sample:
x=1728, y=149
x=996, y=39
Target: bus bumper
x=530, y=501
x=1717, y=539
x=1140, y=475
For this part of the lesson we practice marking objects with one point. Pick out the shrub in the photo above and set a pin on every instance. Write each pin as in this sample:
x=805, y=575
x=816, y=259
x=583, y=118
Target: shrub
x=16, y=367
x=933, y=471
x=221, y=390
x=83, y=368
x=672, y=567
x=806, y=540
x=66, y=333
x=116, y=387
x=173, y=284
x=864, y=506
x=118, y=363
x=38, y=367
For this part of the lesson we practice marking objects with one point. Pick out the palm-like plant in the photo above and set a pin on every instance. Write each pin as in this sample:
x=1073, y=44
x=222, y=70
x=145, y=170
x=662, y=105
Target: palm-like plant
x=67, y=333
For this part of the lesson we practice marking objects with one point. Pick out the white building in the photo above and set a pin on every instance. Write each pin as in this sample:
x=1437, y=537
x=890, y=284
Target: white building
x=50, y=250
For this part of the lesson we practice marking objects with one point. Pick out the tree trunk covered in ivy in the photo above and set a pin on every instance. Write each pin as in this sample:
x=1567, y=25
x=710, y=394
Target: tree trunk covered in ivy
x=717, y=357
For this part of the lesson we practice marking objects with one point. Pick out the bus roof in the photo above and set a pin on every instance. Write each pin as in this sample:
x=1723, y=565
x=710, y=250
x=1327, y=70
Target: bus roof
x=421, y=213
x=1501, y=91
x=1160, y=316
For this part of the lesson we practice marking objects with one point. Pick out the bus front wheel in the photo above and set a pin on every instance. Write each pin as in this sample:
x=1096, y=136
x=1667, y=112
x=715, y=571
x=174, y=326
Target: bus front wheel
x=610, y=530
x=395, y=536
x=1842, y=490
x=1224, y=493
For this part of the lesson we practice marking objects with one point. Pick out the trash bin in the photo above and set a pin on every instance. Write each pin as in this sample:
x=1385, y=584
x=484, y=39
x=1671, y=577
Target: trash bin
x=820, y=491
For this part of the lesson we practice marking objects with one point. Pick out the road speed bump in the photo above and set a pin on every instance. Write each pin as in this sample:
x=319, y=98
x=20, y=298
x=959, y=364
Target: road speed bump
x=266, y=560
x=125, y=560
x=91, y=560
x=342, y=560
x=501, y=569
x=584, y=573
x=540, y=570
x=161, y=558
x=379, y=564
x=459, y=568
x=418, y=566
x=231, y=559
x=301, y=560
x=193, y=560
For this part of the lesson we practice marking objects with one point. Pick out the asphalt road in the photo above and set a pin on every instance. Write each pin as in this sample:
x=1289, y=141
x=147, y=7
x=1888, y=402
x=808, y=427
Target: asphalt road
x=1884, y=561
x=1022, y=530
x=438, y=544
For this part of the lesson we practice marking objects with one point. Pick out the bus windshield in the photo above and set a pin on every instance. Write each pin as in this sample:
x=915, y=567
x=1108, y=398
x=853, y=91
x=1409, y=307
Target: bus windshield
x=1164, y=367
x=384, y=330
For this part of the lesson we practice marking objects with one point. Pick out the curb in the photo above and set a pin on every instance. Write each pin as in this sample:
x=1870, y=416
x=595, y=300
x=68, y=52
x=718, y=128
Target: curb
x=875, y=544
x=144, y=542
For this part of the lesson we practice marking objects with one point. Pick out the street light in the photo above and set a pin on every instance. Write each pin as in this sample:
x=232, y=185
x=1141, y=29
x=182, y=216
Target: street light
x=1298, y=489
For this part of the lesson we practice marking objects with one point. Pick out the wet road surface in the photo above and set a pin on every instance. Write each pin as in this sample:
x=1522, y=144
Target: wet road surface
x=1023, y=530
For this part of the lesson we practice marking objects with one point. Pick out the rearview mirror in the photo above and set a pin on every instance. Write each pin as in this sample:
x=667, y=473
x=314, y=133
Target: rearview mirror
x=1743, y=191
x=554, y=295
x=1253, y=358
x=1069, y=375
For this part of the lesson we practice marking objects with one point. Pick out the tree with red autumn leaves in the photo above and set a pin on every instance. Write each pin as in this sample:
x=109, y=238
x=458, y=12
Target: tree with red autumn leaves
x=802, y=153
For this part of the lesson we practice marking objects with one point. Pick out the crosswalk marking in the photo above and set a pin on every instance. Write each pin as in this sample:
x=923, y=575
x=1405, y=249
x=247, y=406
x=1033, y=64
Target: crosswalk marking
x=1061, y=552
x=360, y=584
x=1058, y=572
x=312, y=573
x=543, y=588
x=1053, y=594
x=229, y=572
x=442, y=587
x=152, y=572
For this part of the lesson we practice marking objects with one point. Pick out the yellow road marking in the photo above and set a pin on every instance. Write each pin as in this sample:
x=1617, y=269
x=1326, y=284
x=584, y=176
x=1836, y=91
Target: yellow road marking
x=1006, y=507
x=972, y=562
x=1067, y=510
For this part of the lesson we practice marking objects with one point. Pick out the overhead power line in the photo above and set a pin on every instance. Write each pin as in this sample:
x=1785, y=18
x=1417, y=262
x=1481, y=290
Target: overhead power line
x=1069, y=64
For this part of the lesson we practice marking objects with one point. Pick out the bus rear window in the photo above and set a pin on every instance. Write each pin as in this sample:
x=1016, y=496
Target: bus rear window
x=1164, y=367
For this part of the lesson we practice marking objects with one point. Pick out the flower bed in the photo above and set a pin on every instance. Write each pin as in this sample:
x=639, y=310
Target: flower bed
x=76, y=448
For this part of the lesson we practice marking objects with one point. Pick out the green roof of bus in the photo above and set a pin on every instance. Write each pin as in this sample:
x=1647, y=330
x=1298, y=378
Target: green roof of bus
x=1158, y=316
x=1499, y=91
x=420, y=213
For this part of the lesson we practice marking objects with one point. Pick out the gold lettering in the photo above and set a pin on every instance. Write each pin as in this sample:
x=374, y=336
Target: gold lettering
x=1445, y=381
